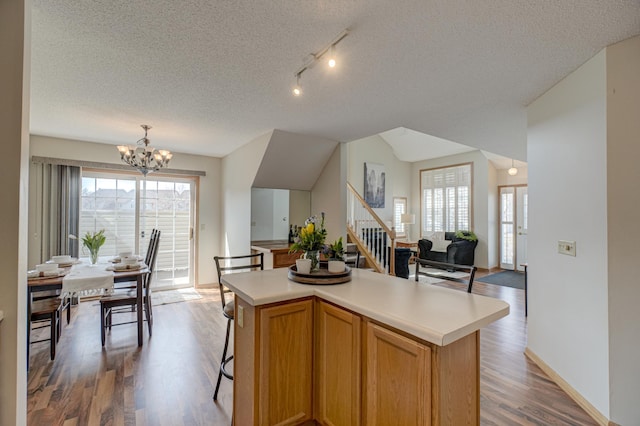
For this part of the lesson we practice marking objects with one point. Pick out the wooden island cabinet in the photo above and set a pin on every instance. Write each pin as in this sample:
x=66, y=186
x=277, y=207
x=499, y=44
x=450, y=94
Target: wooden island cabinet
x=354, y=354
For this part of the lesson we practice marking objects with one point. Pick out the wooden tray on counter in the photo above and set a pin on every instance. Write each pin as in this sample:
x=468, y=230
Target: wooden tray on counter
x=320, y=277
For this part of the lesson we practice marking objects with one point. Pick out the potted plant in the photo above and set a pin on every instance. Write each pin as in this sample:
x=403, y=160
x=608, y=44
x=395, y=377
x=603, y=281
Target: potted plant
x=310, y=240
x=466, y=235
x=93, y=241
x=335, y=253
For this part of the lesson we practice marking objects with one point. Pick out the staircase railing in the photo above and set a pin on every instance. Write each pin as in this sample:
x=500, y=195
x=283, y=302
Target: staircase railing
x=374, y=238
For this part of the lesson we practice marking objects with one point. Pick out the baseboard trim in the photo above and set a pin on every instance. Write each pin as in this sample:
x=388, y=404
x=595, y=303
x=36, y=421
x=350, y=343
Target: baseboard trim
x=592, y=411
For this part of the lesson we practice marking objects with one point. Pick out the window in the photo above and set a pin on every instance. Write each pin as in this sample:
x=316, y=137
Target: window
x=446, y=198
x=399, y=208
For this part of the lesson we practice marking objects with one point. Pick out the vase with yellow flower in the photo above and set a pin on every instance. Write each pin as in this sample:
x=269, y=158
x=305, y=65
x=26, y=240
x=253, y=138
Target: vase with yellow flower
x=310, y=240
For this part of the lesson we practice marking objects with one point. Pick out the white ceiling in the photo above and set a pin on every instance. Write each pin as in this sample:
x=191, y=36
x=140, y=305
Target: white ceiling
x=210, y=76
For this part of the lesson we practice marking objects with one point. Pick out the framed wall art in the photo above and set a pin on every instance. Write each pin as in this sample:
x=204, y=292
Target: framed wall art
x=374, y=181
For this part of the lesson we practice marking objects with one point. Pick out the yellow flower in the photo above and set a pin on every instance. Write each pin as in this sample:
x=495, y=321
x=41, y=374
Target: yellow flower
x=311, y=236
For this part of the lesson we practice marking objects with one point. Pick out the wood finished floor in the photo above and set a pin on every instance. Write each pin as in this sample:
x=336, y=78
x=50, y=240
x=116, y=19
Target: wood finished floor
x=170, y=380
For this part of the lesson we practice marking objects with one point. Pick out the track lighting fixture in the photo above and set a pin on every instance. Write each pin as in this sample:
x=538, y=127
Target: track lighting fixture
x=329, y=50
x=512, y=171
x=332, y=59
x=297, y=89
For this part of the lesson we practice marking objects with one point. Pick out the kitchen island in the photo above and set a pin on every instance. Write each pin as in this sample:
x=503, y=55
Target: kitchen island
x=376, y=350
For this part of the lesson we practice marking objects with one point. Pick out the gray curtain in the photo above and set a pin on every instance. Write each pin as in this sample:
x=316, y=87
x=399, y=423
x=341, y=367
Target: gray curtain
x=60, y=201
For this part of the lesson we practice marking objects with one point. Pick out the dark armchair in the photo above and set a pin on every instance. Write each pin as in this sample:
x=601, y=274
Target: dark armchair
x=459, y=252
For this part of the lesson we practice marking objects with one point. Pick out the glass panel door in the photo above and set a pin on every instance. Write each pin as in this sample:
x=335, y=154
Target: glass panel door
x=513, y=227
x=522, y=205
x=167, y=205
x=129, y=207
x=507, y=217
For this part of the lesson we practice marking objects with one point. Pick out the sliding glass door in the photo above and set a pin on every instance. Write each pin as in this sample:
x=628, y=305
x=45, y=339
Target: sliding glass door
x=128, y=207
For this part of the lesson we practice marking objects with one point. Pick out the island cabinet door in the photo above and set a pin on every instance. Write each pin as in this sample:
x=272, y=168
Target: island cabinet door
x=337, y=366
x=285, y=363
x=398, y=379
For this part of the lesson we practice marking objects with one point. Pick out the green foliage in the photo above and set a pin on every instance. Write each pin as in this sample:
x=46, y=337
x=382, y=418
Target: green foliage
x=94, y=240
x=336, y=250
x=466, y=235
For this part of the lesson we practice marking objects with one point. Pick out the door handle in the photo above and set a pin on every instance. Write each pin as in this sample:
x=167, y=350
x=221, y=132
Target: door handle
x=522, y=233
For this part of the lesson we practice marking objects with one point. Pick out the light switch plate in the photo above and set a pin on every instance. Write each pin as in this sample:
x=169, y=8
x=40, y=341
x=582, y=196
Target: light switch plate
x=567, y=247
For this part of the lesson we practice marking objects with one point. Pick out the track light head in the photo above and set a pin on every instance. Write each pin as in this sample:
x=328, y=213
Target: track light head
x=332, y=57
x=297, y=89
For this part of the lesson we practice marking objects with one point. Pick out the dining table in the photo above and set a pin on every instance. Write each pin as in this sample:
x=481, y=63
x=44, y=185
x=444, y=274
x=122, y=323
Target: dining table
x=40, y=284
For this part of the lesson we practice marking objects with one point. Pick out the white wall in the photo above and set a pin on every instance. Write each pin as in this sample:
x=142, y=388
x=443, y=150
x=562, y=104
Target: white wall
x=14, y=128
x=329, y=194
x=239, y=169
x=208, y=209
x=623, y=177
x=397, y=173
x=238, y=172
x=493, y=217
x=568, y=315
x=481, y=200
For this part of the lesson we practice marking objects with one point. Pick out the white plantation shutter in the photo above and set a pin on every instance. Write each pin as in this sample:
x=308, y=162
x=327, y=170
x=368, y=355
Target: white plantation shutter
x=446, y=199
x=399, y=208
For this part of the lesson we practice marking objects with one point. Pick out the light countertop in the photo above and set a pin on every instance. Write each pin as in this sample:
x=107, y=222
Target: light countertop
x=435, y=314
x=270, y=246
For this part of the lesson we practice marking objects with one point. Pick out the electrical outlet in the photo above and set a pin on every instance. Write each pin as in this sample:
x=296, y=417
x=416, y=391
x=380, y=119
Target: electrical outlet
x=240, y=319
x=567, y=247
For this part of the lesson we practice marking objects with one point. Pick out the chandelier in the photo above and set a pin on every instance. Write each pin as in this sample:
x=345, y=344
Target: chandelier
x=144, y=158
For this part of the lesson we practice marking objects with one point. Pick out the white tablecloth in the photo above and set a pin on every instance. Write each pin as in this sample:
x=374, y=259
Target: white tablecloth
x=86, y=280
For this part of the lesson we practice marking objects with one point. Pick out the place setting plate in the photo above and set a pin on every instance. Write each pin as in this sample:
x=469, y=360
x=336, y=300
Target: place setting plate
x=118, y=259
x=73, y=261
x=43, y=275
x=121, y=267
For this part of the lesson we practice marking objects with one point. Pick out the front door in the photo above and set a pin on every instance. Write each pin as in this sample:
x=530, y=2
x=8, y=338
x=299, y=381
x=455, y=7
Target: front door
x=513, y=227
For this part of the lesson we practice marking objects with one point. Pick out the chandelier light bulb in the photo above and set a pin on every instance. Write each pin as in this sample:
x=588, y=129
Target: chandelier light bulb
x=512, y=171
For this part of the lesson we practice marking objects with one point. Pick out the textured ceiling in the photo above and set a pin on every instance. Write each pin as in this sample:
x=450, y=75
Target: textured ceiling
x=210, y=76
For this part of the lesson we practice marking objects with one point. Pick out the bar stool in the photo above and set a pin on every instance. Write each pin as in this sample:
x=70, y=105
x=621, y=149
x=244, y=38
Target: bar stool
x=249, y=262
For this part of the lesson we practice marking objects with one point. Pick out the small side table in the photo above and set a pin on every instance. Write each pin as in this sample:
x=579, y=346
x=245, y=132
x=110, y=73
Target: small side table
x=524, y=265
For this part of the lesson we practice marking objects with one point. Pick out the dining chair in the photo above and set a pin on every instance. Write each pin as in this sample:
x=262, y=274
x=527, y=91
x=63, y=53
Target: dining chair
x=147, y=261
x=128, y=297
x=250, y=262
x=46, y=311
